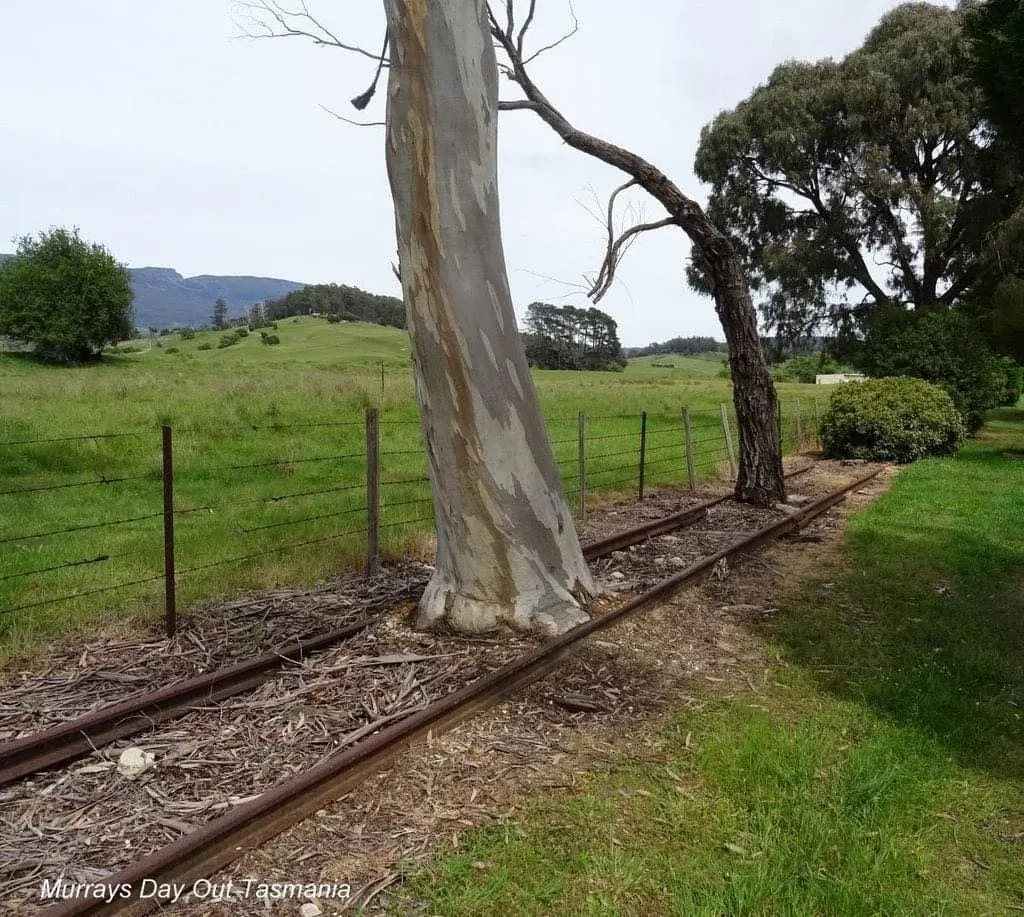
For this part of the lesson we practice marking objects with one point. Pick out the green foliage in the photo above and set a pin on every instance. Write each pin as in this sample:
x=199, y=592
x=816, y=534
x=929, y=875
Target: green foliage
x=220, y=315
x=241, y=331
x=887, y=420
x=943, y=347
x=187, y=334
x=804, y=369
x=569, y=338
x=882, y=158
x=271, y=340
x=172, y=350
x=996, y=32
x=206, y=345
x=687, y=347
x=68, y=297
x=344, y=302
x=227, y=340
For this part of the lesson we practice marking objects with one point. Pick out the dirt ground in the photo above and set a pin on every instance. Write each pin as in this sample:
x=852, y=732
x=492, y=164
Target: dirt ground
x=606, y=704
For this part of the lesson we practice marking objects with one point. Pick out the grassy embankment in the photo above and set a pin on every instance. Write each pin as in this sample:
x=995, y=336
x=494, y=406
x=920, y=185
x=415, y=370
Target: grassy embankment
x=299, y=405
x=880, y=773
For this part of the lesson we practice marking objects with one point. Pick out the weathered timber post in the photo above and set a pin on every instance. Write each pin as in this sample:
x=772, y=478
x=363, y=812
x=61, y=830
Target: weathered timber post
x=170, y=604
x=728, y=440
x=372, y=490
x=691, y=472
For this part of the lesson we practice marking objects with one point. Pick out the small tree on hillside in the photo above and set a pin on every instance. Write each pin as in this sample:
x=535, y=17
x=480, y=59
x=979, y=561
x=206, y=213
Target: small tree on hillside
x=67, y=297
x=220, y=315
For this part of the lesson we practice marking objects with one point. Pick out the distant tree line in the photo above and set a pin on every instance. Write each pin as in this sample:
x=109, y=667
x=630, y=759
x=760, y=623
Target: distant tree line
x=344, y=302
x=680, y=346
x=564, y=337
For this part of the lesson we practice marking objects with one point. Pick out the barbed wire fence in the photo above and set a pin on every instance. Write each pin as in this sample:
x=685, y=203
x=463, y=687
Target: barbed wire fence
x=380, y=487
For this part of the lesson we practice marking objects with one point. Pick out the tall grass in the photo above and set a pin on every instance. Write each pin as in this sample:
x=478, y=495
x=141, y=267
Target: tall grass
x=269, y=463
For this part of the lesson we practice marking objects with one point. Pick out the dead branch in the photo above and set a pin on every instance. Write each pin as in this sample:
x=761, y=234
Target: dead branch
x=615, y=253
x=334, y=114
x=272, y=19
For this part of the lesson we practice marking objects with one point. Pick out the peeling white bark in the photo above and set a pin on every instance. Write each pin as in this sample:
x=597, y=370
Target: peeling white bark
x=507, y=549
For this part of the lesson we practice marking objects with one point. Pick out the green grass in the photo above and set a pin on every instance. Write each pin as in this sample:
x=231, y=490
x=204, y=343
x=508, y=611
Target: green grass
x=249, y=405
x=882, y=772
x=701, y=366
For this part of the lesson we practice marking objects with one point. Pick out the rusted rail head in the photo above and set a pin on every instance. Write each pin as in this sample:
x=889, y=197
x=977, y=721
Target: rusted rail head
x=223, y=840
x=140, y=712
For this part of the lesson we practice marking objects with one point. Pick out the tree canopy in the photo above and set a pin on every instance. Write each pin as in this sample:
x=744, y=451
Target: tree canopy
x=346, y=302
x=569, y=338
x=995, y=29
x=870, y=181
x=688, y=346
x=67, y=297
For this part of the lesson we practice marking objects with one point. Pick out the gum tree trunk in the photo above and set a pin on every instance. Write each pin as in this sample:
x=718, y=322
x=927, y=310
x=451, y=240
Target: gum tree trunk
x=507, y=549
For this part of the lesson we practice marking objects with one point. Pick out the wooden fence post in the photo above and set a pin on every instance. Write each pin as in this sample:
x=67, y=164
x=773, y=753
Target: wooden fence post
x=643, y=452
x=799, y=426
x=778, y=416
x=582, y=424
x=728, y=440
x=817, y=424
x=170, y=605
x=691, y=475
x=372, y=490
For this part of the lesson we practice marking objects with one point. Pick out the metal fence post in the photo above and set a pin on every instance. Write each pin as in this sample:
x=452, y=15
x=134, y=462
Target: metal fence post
x=170, y=605
x=691, y=474
x=372, y=490
x=728, y=440
x=582, y=424
x=643, y=452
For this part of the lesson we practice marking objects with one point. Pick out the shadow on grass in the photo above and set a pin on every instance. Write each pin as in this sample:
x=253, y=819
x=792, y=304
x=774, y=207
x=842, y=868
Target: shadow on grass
x=926, y=627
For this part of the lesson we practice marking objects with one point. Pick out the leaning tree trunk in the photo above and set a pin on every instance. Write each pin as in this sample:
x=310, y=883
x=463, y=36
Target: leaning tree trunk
x=760, y=479
x=507, y=550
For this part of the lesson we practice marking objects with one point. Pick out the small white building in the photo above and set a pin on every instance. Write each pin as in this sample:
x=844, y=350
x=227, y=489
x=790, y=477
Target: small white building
x=836, y=378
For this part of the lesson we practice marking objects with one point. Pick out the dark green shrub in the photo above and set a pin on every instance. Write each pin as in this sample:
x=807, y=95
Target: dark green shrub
x=944, y=347
x=887, y=420
x=270, y=340
x=206, y=345
x=227, y=340
x=171, y=350
x=187, y=334
x=806, y=368
x=1012, y=382
x=242, y=332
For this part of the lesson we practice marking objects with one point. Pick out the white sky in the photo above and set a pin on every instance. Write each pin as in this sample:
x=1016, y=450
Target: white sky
x=159, y=133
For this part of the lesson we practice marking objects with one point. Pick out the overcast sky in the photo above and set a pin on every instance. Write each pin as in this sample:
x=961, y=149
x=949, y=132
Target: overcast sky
x=158, y=132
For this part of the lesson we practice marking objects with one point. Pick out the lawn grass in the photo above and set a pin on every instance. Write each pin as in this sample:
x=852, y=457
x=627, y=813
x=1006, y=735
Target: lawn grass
x=299, y=406
x=881, y=772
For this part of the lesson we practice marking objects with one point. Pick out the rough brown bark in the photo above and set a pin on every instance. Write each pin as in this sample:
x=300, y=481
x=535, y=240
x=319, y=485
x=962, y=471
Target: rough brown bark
x=507, y=550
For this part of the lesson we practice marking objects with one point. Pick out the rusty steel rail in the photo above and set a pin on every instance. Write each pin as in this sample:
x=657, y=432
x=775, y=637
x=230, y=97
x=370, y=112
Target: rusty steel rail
x=227, y=838
x=139, y=713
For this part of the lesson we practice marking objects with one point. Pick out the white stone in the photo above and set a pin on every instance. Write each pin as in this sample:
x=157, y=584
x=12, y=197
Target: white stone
x=309, y=909
x=134, y=762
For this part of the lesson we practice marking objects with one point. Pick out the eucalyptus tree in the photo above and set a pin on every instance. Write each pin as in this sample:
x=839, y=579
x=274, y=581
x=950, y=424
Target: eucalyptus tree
x=870, y=183
x=760, y=479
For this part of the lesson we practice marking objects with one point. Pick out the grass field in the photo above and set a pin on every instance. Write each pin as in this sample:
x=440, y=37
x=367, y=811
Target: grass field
x=881, y=774
x=269, y=461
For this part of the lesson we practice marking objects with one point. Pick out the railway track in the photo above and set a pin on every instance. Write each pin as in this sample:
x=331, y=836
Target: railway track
x=219, y=842
x=141, y=712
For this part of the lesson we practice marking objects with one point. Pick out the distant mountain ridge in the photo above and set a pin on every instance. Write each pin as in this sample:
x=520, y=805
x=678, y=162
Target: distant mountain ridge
x=164, y=298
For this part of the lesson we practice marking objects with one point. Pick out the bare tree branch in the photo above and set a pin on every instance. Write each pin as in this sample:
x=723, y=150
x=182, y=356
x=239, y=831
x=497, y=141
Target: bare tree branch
x=517, y=105
x=272, y=19
x=554, y=44
x=351, y=121
x=616, y=252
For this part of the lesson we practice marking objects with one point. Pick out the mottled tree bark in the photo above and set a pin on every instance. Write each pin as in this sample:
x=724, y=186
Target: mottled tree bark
x=507, y=549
